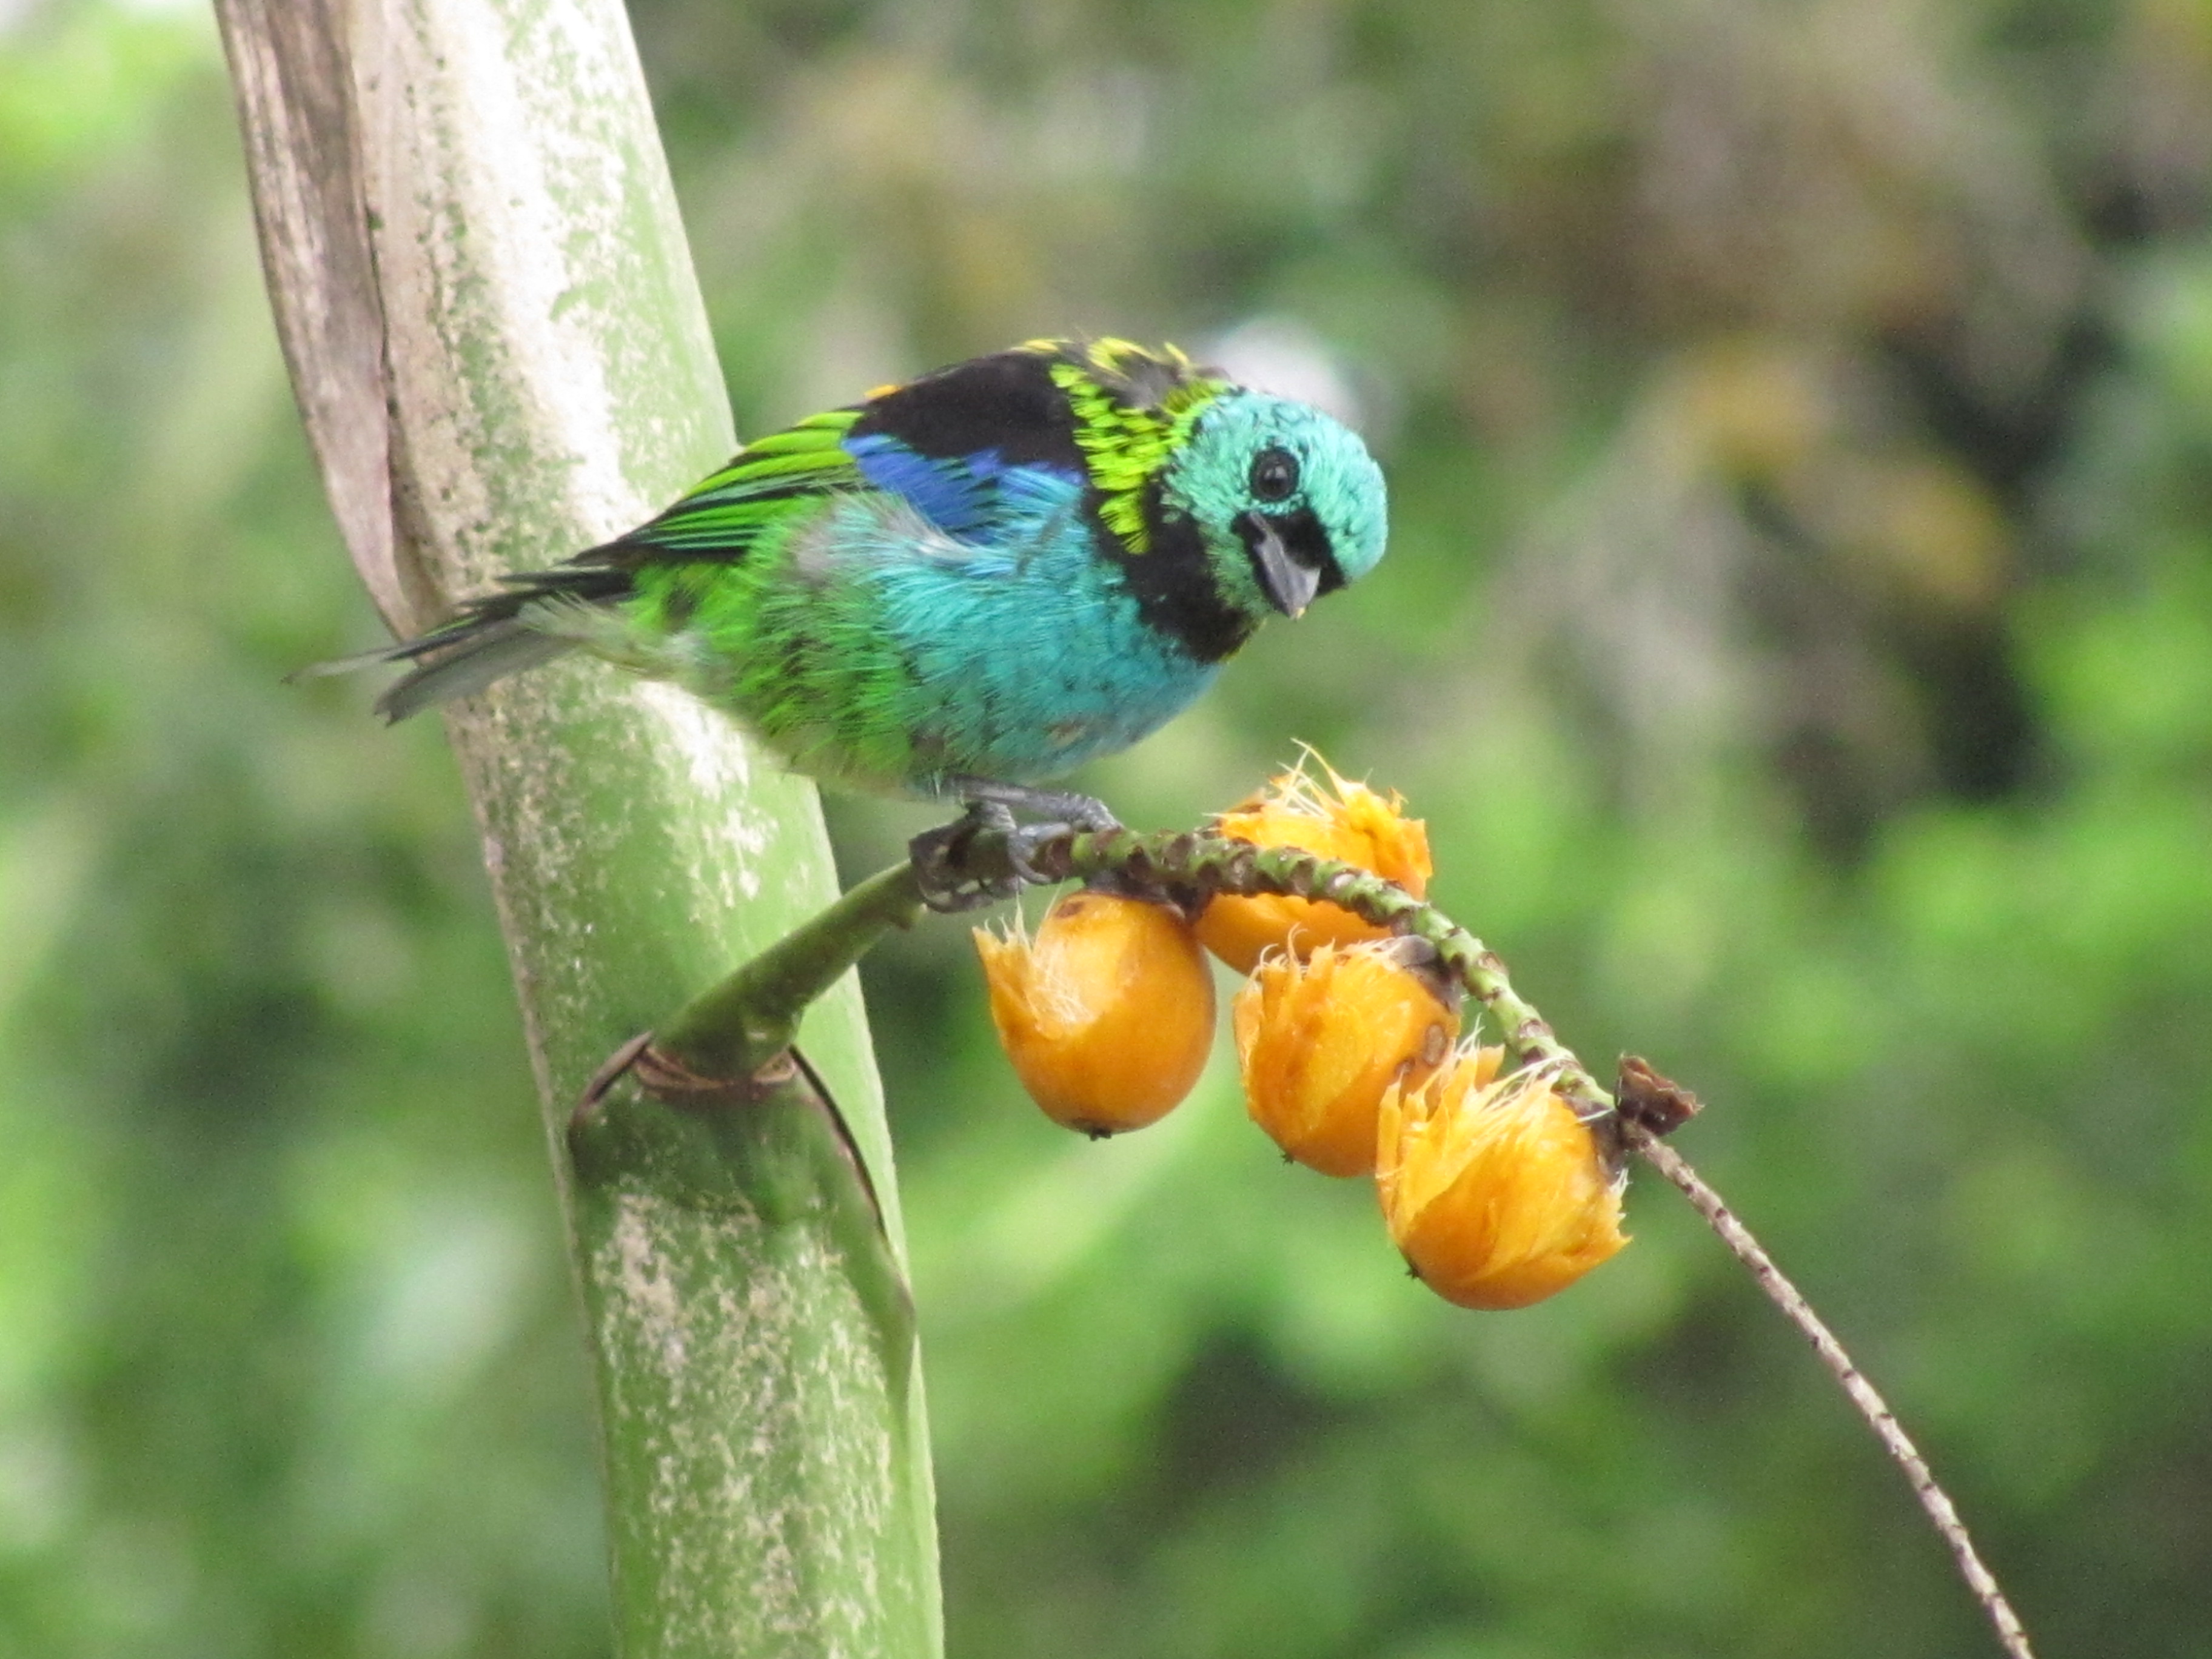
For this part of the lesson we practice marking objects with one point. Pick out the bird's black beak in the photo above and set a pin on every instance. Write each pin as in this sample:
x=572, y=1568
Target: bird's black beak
x=1288, y=584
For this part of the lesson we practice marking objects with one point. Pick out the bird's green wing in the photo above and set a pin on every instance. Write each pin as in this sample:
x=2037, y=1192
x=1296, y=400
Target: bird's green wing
x=764, y=483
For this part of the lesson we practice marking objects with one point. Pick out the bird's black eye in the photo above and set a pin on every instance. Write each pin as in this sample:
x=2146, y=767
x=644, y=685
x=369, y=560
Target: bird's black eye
x=1274, y=474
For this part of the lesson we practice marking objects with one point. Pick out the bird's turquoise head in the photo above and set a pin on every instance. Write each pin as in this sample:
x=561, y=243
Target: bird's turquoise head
x=1287, y=501
x=1224, y=505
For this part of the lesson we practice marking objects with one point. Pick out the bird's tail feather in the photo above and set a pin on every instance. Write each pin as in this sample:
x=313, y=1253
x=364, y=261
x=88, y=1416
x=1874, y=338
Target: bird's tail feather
x=489, y=652
x=488, y=640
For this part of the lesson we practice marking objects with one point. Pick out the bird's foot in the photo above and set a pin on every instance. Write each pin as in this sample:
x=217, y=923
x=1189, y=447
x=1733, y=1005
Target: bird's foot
x=1051, y=813
x=991, y=832
x=944, y=860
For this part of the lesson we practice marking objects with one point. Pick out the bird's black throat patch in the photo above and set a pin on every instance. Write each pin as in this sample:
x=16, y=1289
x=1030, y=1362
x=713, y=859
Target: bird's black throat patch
x=1174, y=584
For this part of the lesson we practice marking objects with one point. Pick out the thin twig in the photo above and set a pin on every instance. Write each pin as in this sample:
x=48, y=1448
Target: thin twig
x=1862, y=1393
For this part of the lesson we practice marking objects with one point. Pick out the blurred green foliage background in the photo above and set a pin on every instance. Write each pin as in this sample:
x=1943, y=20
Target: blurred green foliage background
x=1797, y=636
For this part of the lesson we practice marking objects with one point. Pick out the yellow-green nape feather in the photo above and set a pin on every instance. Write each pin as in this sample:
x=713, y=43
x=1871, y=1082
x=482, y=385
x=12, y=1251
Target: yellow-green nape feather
x=1123, y=361
x=1133, y=408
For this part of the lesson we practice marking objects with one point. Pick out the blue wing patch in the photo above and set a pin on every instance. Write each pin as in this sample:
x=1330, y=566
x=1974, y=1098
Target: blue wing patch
x=956, y=492
x=964, y=496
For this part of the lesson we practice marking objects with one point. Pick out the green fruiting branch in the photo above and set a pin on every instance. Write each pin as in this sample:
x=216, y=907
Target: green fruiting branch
x=745, y=1020
x=743, y=1024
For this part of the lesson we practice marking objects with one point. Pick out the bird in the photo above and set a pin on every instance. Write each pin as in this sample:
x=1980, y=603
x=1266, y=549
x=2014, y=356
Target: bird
x=963, y=586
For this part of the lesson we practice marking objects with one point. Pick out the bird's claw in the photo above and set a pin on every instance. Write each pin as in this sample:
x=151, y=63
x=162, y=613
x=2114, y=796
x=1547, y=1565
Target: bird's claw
x=941, y=868
x=943, y=858
x=1023, y=844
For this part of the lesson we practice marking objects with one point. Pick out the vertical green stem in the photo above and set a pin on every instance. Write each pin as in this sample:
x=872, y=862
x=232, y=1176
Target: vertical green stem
x=498, y=343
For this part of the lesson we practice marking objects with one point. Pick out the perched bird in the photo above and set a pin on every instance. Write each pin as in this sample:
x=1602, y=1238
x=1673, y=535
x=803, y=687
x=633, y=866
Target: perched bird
x=980, y=579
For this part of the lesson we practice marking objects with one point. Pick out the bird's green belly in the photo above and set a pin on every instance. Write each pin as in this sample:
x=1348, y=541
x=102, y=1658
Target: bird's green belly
x=909, y=720
x=895, y=679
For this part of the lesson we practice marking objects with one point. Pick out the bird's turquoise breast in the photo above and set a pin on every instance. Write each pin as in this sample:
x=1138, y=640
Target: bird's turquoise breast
x=870, y=646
